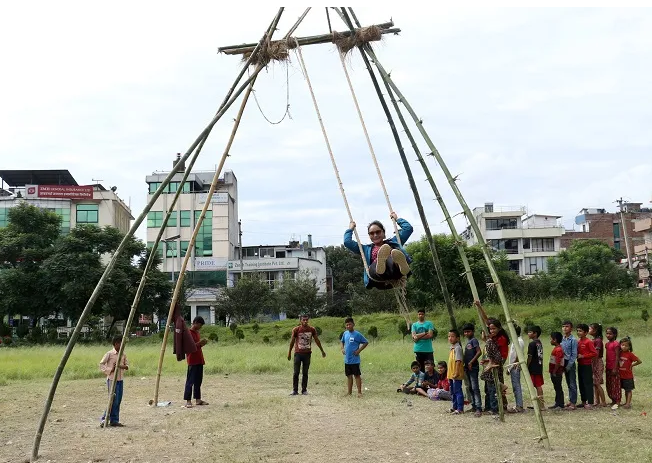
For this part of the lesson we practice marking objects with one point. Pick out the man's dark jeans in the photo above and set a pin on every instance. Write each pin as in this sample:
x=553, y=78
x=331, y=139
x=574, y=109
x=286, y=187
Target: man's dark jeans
x=299, y=360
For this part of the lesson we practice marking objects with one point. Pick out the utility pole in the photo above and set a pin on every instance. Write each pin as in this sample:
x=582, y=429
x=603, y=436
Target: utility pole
x=240, y=244
x=624, y=224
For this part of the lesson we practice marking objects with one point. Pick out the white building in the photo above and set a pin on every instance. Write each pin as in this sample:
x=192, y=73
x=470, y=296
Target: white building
x=277, y=262
x=527, y=240
x=59, y=192
x=642, y=252
x=217, y=239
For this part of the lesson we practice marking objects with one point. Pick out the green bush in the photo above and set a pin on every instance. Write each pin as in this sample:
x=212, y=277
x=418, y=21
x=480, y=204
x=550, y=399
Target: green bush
x=239, y=334
x=266, y=339
x=255, y=328
x=319, y=331
x=7, y=341
x=5, y=330
x=372, y=332
x=22, y=330
x=233, y=327
x=36, y=335
x=286, y=336
x=213, y=337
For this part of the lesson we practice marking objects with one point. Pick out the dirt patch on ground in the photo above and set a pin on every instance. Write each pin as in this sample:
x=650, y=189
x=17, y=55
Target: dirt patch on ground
x=252, y=419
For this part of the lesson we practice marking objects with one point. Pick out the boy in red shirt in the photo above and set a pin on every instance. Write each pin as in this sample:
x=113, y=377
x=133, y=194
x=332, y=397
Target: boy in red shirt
x=196, y=362
x=556, y=369
x=626, y=362
x=585, y=354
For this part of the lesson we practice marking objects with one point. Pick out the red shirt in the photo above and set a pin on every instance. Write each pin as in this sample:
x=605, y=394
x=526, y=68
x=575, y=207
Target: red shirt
x=303, y=339
x=503, y=345
x=197, y=357
x=556, y=359
x=443, y=384
x=613, y=347
x=625, y=362
x=586, y=349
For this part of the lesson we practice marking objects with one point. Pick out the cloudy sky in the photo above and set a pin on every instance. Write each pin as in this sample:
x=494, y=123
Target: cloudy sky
x=546, y=108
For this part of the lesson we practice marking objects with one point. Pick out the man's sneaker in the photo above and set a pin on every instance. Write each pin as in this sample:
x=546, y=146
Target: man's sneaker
x=116, y=424
x=555, y=407
x=478, y=414
x=570, y=406
x=294, y=393
x=399, y=259
x=304, y=392
x=381, y=260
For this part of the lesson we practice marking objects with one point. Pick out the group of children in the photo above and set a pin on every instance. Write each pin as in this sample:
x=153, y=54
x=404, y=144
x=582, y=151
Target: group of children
x=580, y=360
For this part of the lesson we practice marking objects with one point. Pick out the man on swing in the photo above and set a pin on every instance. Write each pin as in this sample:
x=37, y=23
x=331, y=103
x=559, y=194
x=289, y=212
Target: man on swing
x=386, y=258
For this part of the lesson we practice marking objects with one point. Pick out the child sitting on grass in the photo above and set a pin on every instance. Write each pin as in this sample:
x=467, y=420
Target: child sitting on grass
x=416, y=378
x=441, y=391
x=430, y=378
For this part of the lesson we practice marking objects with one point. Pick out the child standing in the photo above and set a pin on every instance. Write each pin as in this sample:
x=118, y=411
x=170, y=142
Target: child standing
x=493, y=361
x=108, y=366
x=514, y=371
x=585, y=354
x=556, y=369
x=416, y=378
x=569, y=345
x=595, y=330
x=353, y=342
x=472, y=353
x=627, y=361
x=535, y=361
x=611, y=364
x=195, y=374
x=456, y=371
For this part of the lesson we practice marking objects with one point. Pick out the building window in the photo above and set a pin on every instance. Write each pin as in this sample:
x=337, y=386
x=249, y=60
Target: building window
x=526, y=243
x=172, y=187
x=153, y=187
x=88, y=213
x=617, y=245
x=4, y=217
x=501, y=224
x=266, y=252
x=204, y=243
x=513, y=265
x=185, y=219
x=533, y=265
x=250, y=253
x=172, y=221
x=616, y=230
x=270, y=277
x=184, y=248
x=186, y=188
x=509, y=246
x=154, y=219
x=171, y=249
x=542, y=245
x=64, y=214
x=159, y=248
x=280, y=254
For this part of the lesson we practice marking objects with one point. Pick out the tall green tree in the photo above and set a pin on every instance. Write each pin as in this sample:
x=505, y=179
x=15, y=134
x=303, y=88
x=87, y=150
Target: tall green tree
x=586, y=268
x=251, y=296
x=300, y=295
x=25, y=243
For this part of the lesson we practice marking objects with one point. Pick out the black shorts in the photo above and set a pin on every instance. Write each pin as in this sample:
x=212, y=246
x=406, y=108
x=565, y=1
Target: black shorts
x=627, y=384
x=352, y=369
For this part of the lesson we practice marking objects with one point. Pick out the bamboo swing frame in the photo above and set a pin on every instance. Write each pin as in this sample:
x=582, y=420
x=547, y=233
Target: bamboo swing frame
x=195, y=149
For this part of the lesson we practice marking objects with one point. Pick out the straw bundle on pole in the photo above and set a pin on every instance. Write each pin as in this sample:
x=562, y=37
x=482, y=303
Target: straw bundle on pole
x=476, y=229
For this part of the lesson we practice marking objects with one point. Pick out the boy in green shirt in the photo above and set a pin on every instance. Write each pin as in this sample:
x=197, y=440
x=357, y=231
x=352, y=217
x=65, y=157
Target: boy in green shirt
x=422, y=334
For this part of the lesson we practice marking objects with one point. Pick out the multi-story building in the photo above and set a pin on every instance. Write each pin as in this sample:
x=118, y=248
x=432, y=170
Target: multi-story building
x=527, y=240
x=216, y=241
x=59, y=192
x=277, y=262
x=596, y=223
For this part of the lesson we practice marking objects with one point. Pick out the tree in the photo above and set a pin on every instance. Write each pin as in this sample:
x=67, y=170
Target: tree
x=347, y=271
x=249, y=297
x=255, y=328
x=300, y=295
x=586, y=269
x=25, y=243
x=372, y=332
x=422, y=291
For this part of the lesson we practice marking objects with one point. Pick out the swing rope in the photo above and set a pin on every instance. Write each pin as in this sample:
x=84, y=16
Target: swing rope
x=399, y=286
x=371, y=148
x=330, y=152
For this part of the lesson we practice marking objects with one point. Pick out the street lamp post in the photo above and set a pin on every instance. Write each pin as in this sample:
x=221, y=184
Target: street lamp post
x=171, y=239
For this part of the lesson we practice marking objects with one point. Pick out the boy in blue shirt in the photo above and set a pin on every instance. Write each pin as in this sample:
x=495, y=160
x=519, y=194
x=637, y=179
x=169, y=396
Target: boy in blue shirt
x=353, y=342
x=472, y=353
x=417, y=378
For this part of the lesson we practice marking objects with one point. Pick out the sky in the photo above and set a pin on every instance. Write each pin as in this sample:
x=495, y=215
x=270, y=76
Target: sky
x=539, y=107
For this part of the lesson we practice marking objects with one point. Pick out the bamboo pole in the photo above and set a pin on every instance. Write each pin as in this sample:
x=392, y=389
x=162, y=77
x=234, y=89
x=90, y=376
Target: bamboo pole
x=408, y=172
x=177, y=289
x=230, y=98
x=476, y=229
x=386, y=28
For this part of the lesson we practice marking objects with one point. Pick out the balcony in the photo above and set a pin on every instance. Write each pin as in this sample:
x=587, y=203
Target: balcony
x=643, y=225
x=643, y=249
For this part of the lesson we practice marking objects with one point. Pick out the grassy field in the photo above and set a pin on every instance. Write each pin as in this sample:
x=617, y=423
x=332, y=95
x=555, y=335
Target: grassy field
x=251, y=418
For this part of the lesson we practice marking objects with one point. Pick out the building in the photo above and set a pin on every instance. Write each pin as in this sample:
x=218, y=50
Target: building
x=596, y=223
x=59, y=192
x=277, y=262
x=643, y=251
x=216, y=242
x=527, y=240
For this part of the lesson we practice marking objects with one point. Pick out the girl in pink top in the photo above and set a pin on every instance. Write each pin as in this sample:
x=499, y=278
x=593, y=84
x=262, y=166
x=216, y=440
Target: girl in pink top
x=613, y=376
x=595, y=330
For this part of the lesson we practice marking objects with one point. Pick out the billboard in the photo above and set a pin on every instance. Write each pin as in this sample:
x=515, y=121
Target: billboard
x=59, y=191
x=264, y=264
